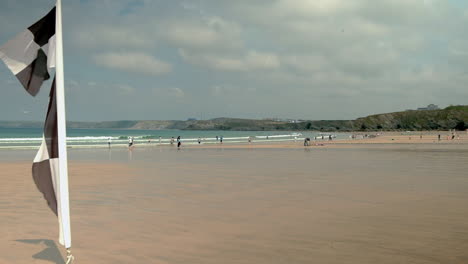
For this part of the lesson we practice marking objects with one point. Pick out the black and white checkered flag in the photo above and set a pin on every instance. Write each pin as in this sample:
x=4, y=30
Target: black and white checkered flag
x=31, y=53
x=45, y=165
x=29, y=56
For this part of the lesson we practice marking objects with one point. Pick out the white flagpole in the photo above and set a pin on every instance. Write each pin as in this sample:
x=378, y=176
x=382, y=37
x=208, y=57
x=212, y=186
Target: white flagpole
x=63, y=209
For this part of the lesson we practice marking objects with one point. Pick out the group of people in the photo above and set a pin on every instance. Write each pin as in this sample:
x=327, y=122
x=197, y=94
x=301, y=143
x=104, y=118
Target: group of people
x=330, y=137
x=131, y=141
x=179, y=142
x=454, y=134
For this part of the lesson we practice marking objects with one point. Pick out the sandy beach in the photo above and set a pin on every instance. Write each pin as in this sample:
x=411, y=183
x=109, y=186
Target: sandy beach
x=388, y=199
x=382, y=138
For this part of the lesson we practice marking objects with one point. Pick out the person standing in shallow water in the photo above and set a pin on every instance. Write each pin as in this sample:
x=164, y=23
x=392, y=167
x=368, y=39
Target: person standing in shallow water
x=179, y=143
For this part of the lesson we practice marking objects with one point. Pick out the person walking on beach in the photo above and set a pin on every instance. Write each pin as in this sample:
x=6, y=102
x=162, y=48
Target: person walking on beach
x=159, y=140
x=221, y=139
x=130, y=141
x=179, y=143
x=216, y=138
x=439, y=137
x=178, y=139
x=199, y=140
x=172, y=140
x=109, y=142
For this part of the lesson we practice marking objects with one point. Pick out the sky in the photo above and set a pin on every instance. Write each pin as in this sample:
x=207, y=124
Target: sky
x=301, y=59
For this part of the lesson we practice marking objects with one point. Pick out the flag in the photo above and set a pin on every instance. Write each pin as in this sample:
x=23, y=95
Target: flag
x=45, y=168
x=31, y=53
x=45, y=164
x=29, y=56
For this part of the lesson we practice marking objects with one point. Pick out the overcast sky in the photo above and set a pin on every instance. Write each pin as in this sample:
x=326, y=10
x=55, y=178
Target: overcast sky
x=309, y=59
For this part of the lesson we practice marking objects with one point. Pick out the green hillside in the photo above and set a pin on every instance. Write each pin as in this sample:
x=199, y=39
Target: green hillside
x=452, y=117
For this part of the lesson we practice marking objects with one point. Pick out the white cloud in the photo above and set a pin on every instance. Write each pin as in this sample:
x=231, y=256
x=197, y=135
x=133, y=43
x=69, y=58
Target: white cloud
x=136, y=62
x=177, y=92
x=113, y=36
x=165, y=92
x=251, y=61
x=125, y=89
x=207, y=33
x=312, y=7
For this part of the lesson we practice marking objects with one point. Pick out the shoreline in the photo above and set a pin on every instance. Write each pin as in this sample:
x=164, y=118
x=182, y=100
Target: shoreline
x=427, y=137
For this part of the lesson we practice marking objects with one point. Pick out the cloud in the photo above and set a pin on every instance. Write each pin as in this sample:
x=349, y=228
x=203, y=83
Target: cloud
x=365, y=56
x=253, y=60
x=213, y=33
x=136, y=62
x=113, y=36
x=177, y=92
x=125, y=89
x=164, y=92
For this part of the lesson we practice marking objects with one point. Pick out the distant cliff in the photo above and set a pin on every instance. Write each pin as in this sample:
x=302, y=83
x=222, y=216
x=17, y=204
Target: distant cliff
x=452, y=117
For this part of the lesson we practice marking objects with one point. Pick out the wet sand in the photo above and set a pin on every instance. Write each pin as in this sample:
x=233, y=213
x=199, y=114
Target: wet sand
x=338, y=203
x=413, y=138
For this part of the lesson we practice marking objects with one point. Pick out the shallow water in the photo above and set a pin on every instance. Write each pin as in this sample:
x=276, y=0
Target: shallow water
x=353, y=204
x=30, y=138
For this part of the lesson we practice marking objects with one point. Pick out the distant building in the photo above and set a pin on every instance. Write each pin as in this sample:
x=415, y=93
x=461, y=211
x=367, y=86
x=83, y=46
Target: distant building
x=429, y=107
x=288, y=120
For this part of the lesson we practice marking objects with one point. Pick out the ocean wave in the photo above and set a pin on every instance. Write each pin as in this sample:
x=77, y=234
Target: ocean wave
x=141, y=138
x=20, y=139
x=68, y=139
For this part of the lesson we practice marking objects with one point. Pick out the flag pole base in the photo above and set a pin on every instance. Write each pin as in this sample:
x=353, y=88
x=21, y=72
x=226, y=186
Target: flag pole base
x=70, y=257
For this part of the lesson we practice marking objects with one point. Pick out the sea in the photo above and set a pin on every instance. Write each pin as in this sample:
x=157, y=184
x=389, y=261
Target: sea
x=20, y=138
